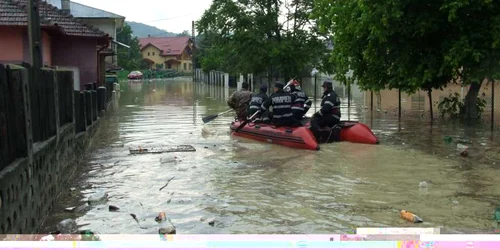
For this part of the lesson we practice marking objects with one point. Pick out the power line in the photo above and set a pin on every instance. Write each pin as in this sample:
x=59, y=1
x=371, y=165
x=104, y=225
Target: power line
x=168, y=18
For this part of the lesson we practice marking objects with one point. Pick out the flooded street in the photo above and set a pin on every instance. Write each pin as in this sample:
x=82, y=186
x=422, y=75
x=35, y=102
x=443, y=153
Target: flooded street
x=251, y=187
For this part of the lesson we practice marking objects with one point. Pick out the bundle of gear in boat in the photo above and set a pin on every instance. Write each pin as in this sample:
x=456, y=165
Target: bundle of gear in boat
x=286, y=123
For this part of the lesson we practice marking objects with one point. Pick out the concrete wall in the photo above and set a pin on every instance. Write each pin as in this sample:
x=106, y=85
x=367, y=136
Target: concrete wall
x=77, y=52
x=418, y=103
x=30, y=184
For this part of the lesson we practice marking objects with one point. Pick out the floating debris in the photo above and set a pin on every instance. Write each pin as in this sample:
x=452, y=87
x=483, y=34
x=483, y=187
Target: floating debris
x=464, y=153
x=67, y=226
x=167, y=183
x=211, y=222
x=134, y=217
x=169, y=228
x=137, y=220
x=462, y=147
x=179, y=148
x=182, y=169
x=113, y=208
x=69, y=209
x=411, y=217
x=161, y=217
x=72, y=189
x=97, y=197
x=169, y=158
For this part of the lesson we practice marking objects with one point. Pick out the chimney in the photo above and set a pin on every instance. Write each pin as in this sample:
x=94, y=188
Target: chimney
x=65, y=6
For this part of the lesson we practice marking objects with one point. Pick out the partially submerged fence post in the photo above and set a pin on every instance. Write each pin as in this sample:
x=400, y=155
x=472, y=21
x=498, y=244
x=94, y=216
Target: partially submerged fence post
x=349, y=100
x=238, y=86
x=371, y=100
x=226, y=80
x=399, y=104
x=492, y=104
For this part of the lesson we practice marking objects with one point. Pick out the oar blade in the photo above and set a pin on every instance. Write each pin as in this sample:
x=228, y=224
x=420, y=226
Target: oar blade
x=209, y=118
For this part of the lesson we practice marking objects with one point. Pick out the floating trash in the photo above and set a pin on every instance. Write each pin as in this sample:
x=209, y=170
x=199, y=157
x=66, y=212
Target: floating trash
x=411, y=217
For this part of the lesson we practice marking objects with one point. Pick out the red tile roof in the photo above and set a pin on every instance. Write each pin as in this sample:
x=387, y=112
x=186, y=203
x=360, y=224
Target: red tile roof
x=169, y=46
x=15, y=13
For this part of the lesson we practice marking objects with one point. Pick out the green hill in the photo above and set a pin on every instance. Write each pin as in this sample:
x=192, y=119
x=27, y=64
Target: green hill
x=143, y=30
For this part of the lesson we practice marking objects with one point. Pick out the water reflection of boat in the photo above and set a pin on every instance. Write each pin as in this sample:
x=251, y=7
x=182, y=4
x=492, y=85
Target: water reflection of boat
x=302, y=137
x=135, y=85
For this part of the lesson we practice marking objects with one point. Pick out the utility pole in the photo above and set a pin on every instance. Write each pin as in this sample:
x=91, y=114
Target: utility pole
x=34, y=34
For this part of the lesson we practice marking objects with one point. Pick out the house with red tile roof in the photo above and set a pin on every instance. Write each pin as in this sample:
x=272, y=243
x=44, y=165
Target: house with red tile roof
x=66, y=42
x=168, y=52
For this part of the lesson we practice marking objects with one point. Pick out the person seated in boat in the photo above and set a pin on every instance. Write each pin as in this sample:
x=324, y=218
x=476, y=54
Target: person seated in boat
x=302, y=103
x=281, y=102
x=329, y=114
x=239, y=101
x=255, y=104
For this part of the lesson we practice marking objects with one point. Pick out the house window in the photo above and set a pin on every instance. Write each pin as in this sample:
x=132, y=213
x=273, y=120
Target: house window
x=417, y=102
x=153, y=53
x=169, y=65
x=190, y=66
x=148, y=54
x=185, y=66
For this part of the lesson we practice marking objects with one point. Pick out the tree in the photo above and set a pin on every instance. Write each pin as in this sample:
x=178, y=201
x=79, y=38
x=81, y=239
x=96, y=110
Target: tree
x=473, y=47
x=129, y=59
x=411, y=44
x=249, y=36
x=184, y=33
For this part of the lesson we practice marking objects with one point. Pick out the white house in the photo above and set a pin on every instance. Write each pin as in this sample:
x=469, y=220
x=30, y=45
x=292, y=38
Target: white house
x=106, y=21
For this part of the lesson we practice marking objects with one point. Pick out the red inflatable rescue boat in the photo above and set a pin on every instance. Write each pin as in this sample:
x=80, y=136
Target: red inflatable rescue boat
x=302, y=137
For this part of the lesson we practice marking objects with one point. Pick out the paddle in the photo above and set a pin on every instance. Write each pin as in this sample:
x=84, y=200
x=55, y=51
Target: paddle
x=251, y=117
x=212, y=117
x=246, y=122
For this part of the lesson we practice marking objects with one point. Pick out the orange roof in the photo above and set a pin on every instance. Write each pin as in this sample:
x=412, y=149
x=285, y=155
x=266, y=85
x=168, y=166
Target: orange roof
x=169, y=46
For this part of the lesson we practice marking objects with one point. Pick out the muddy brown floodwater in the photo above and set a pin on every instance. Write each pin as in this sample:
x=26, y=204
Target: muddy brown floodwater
x=251, y=187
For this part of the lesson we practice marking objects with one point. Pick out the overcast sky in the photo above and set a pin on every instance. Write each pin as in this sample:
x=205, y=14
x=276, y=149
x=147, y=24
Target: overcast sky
x=178, y=14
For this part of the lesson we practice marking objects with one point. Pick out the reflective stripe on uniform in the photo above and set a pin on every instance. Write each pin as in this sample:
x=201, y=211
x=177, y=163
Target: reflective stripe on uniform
x=282, y=116
x=299, y=108
x=329, y=102
x=282, y=106
x=254, y=107
x=300, y=100
x=263, y=107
